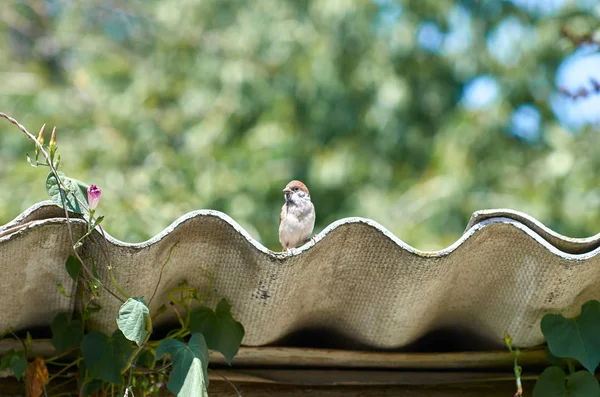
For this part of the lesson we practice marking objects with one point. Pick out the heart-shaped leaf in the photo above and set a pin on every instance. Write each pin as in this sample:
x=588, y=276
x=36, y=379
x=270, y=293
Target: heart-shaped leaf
x=182, y=357
x=65, y=333
x=104, y=357
x=551, y=383
x=133, y=320
x=552, y=359
x=220, y=330
x=75, y=192
x=15, y=360
x=577, y=337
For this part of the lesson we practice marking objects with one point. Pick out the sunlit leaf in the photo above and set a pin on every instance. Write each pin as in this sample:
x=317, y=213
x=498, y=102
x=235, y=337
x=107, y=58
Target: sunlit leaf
x=194, y=384
x=133, y=320
x=182, y=356
x=75, y=193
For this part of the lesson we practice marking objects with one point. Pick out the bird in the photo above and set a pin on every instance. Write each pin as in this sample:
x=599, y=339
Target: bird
x=297, y=218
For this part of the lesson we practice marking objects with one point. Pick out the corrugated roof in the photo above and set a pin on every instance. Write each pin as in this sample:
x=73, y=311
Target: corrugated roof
x=355, y=279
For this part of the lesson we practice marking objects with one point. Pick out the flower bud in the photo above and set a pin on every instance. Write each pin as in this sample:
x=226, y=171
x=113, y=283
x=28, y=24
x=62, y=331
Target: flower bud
x=507, y=340
x=94, y=193
x=52, y=144
x=40, y=137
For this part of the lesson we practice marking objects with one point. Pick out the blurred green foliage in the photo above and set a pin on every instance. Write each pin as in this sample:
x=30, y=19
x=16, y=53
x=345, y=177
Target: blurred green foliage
x=172, y=106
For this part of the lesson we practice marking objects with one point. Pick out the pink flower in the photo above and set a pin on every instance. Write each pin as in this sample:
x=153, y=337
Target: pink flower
x=94, y=193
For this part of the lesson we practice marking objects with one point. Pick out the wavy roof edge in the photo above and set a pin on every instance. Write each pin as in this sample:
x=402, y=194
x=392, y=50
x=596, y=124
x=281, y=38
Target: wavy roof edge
x=566, y=247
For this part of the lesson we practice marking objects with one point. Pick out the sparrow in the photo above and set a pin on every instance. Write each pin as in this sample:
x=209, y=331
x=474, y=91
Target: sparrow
x=297, y=218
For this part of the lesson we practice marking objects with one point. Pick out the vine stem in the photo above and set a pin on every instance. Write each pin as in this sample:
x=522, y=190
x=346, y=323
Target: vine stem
x=64, y=369
x=126, y=393
x=571, y=366
x=161, y=272
x=62, y=191
x=12, y=333
x=228, y=381
x=114, y=283
x=16, y=228
x=104, y=250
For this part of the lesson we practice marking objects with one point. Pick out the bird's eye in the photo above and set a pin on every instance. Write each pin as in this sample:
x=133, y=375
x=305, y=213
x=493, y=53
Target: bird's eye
x=295, y=188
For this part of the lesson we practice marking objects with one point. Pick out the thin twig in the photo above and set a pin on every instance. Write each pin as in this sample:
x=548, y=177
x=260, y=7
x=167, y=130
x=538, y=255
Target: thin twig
x=64, y=369
x=11, y=332
x=161, y=272
x=58, y=356
x=104, y=250
x=228, y=381
x=114, y=283
x=145, y=370
x=59, y=386
x=16, y=228
x=128, y=383
x=82, y=387
x=581, y=92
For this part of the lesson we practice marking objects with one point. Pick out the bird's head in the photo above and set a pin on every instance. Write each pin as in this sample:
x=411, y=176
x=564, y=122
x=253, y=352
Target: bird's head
x=295, y=191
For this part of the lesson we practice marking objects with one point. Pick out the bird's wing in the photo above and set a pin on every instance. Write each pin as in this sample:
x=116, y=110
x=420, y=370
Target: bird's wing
x=282, y=213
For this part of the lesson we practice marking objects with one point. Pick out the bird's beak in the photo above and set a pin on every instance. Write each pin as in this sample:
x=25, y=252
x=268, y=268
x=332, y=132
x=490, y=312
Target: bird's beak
x=287, y=190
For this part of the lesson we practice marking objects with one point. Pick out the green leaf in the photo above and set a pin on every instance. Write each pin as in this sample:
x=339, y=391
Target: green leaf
x=90, y=310
x=551, y=383
x=221, y=331
x=577, y=337
x=31, y=162
x=18, y=366
x=133, y=320
x=92, y=387
x=194, y=384
x=76, y=192
x=65, y=333
x=15, y=360
x=94, y=285
x=182, y=357
x=146, y=359
x=552, y=359
x=99, y=220
x=105, y=357
x=62, y=290
x=73, y=267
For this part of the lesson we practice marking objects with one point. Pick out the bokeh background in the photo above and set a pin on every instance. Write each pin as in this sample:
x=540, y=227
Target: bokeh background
x=414, y=113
